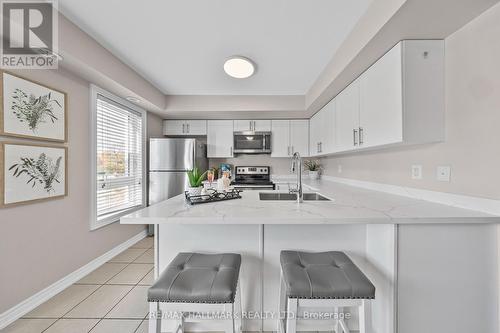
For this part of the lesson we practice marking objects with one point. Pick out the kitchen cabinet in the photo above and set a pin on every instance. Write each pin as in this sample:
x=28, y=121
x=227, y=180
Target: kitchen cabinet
x=252, y=125
x=398, y=100
x=322, y=130
x=347, y=120
x=280, y=138
x=219, y=138
x=299, y=137
x=290, y=136
x=381, y=101
x=184, y=127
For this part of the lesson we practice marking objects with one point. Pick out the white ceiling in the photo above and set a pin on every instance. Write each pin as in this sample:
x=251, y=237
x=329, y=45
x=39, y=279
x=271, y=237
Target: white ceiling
x=180, y=45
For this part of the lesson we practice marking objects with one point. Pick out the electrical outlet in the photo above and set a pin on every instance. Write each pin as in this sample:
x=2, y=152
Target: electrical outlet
x=443, y=173
x=339, y=168
x=416, y=172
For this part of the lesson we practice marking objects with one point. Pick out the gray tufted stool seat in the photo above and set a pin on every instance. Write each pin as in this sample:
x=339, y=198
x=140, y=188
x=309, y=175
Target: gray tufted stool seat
x=323, y=279
x=206, y=279
x=324, y=275
x=198, y=278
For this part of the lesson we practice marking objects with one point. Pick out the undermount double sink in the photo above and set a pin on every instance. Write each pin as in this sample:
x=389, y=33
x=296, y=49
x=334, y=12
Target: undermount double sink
x=271, y=196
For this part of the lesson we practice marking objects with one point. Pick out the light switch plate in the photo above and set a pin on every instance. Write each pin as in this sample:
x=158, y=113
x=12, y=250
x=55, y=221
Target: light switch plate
x=339, y=168
x=443, y=173
x=416, y=172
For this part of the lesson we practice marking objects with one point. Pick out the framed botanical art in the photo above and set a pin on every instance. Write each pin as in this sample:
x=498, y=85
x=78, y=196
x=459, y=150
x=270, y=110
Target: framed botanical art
x=32, y=110
x=32, y=172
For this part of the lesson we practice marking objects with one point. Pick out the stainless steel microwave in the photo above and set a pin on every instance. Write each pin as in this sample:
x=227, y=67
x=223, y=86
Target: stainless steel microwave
x=250, y=142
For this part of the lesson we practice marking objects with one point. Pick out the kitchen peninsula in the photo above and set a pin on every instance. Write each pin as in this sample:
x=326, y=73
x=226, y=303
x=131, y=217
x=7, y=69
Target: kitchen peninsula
x=417, y=253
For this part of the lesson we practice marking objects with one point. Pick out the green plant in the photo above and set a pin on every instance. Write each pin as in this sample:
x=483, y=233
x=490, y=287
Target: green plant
x=195, y=177
x=33, y=110
x=312, y=165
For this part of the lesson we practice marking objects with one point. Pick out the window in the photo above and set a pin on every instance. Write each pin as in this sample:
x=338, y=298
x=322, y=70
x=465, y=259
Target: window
x=118, y=156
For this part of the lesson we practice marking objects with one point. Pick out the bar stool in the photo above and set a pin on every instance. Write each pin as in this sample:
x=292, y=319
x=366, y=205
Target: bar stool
x=323, y=280
x=194, y=284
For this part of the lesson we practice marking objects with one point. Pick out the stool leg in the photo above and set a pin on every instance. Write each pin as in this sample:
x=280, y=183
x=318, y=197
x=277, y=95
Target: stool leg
x=154, y=321
x=291, y=316
x=180, y=323
x=238, y=313
x=229, y=320
x=365, y=317
x=282, y=305
x=337, y=328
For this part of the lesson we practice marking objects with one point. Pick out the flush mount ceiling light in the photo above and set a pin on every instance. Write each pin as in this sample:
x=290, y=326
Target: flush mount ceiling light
x=239, y=67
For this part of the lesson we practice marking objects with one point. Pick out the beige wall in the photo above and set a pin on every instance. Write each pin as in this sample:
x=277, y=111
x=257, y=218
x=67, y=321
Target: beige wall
x=41, y=243
x=472, y=123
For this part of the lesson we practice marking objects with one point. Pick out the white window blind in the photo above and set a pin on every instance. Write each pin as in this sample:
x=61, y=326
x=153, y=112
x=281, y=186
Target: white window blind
x=119, y=158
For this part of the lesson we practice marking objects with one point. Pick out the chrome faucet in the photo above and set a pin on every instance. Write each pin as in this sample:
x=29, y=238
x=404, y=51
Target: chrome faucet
x=297, y=166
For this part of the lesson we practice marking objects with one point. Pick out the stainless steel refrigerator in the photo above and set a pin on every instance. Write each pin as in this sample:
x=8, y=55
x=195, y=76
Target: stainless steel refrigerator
x=169, y=159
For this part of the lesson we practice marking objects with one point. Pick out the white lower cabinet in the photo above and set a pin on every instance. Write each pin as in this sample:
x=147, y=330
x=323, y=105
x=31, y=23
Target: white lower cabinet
x=219, y=138
x=290, y=136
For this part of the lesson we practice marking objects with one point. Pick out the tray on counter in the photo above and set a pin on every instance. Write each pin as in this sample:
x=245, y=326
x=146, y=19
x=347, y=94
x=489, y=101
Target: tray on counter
x=213, y=196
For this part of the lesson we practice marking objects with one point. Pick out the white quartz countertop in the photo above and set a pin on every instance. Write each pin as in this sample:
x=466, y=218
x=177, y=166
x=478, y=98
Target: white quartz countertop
x=349, y=205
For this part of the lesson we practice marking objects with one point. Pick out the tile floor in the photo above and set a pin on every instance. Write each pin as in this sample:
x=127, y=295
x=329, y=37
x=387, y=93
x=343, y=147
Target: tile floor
x=111, y=299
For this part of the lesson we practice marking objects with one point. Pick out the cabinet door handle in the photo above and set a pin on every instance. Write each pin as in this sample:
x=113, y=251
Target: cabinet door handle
x=317, y=147
x=250, y=124
x=288, y=151
x=321, y=147
x=355, y=136
x=183, y=125
x=231, y=151
x=292, y=150
x=187, y=128
x=254, y=125
x=361, y=136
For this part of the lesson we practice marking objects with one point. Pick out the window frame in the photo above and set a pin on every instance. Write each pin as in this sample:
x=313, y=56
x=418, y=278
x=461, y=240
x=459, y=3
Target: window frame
x=95, y=223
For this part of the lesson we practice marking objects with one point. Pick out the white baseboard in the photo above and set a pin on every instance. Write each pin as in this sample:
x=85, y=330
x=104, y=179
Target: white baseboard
x=42, y=296
x=489, y=206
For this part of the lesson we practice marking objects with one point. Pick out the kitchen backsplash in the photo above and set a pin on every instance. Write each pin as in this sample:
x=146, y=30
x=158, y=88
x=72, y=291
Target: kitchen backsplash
x=279, y=166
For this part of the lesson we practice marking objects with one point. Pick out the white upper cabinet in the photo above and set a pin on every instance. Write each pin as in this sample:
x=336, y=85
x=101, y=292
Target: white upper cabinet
x=174, y=127
x=381, y=101
x=314, y=134
x=322, y=130
x=398, y=100
x=280, y=138
x=328, y=119
x=252, y=125
x=196, y=127
x=347, y=126
x=184, y=127
x=219, y=138
x=299, y=137
x=290, y=136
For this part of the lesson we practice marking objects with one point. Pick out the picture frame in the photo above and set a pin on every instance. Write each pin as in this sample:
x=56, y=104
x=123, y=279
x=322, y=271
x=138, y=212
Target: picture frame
x=32, y=173
x=32, y=110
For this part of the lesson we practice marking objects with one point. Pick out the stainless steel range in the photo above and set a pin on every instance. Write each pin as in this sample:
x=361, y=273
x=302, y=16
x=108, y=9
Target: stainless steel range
x=248, y=178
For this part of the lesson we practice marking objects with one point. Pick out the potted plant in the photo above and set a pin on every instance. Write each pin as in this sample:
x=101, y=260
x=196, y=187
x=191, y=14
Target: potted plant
x=195, y=181
x=313, y=166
